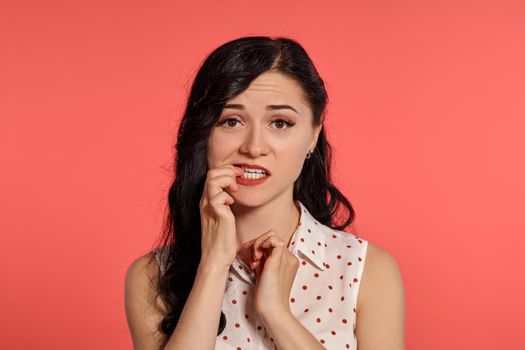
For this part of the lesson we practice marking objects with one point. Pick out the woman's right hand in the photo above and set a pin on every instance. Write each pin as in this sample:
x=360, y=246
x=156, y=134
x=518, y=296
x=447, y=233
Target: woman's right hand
x=218, y=233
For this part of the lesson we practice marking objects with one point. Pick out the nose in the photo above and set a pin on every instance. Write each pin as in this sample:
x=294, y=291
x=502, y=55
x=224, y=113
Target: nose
x=254, y=142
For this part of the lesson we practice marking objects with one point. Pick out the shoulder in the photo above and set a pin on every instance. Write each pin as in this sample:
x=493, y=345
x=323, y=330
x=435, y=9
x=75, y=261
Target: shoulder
x=144, y=309
x=141, y=272
x=381, y=301
x=141, y=263
x=381, y=272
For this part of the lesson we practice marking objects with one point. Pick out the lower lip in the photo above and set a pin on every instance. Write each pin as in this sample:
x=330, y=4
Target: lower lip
x=251, y=182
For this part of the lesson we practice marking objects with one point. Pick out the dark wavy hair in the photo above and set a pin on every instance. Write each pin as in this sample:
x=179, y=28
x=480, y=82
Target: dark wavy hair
x=225, y=73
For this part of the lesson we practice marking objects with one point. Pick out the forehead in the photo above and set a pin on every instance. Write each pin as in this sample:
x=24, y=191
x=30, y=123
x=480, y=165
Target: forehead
x=272, y=88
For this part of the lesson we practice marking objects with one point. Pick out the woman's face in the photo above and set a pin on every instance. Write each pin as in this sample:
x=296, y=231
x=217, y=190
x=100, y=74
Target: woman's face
x=251, y=131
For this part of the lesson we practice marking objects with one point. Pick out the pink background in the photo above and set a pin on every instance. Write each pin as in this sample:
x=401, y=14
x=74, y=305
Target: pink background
x=426, y=116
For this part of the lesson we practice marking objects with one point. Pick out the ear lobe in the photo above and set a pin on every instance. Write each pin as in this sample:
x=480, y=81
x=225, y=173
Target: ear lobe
x=317, y=131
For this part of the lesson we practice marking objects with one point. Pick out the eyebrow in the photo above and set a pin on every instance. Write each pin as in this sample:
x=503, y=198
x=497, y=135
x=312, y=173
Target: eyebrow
x=268, y=107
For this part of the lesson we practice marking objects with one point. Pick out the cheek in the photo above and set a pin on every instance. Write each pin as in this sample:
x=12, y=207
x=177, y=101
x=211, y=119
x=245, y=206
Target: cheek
x=291, y=161
x=212, y=152
x=219, y=148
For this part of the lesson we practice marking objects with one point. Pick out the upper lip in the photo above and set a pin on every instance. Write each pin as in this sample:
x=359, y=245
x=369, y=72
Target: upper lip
x=253, y=166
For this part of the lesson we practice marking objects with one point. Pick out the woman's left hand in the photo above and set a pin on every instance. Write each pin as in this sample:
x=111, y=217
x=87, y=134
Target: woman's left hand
x=275, y=267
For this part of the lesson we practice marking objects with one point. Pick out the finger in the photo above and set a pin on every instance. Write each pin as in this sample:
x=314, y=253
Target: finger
x=266, y=247
x=222, y=177
x=272, y=244
x=221, y=198
x=223, y=170
x=272, y=241
x=259, y=267
x=221, y=183
x=256, y=251
x=218, y=205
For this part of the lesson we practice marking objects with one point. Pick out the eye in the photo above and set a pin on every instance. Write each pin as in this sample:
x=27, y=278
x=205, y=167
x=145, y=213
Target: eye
x=227, y=120
x=286, y=122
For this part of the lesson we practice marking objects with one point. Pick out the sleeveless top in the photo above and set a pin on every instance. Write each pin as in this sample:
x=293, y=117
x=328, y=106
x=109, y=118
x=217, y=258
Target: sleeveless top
x=323, y=296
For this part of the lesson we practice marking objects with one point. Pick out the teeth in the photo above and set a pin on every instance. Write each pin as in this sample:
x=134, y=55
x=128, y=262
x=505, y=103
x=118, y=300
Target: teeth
x=253, y=171
x=253, y=176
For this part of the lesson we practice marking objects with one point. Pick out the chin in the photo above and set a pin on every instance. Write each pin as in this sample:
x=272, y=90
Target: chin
x=253, y=198
x=249, y=199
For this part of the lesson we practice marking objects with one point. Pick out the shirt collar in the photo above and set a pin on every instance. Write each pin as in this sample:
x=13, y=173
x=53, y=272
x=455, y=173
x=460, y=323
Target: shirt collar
x=308, y=238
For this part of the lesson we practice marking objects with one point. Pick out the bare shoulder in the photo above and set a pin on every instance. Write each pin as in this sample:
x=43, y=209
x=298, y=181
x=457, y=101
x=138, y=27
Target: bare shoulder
x=380, y=270
x=380, y=302
x=144, y=309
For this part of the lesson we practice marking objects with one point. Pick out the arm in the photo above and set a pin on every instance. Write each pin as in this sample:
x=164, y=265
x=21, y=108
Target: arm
x=199, y=318
x=380, y=303
x=290, y=334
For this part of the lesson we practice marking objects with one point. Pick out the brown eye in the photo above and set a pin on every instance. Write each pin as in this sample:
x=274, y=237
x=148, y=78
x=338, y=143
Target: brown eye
x=229, y=121
x=281, y=123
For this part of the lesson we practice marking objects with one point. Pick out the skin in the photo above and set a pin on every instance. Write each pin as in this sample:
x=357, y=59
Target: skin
x=265, y=219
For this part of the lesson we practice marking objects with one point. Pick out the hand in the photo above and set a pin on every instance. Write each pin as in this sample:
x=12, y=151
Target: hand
x=219, y=244
x=275, y=267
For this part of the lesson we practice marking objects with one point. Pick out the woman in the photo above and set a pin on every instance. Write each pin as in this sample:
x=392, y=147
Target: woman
x=251, y=258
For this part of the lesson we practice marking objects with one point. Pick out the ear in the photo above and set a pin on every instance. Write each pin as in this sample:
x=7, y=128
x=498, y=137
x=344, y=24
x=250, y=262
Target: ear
x=317, y=131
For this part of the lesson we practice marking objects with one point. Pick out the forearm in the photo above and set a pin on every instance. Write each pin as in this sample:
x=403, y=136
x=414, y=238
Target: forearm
x=289, y=334
x=199, y=321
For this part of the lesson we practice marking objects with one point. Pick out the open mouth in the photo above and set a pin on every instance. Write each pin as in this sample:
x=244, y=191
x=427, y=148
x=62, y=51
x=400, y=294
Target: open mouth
x=252, y=172
x=253, y=175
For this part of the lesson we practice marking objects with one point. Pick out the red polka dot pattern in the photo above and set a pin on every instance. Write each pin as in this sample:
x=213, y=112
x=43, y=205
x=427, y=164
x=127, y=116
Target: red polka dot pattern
x=323, y=296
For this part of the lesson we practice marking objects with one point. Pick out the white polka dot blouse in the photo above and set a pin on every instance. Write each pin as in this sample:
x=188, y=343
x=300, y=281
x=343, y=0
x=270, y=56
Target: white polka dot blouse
x=323, y=296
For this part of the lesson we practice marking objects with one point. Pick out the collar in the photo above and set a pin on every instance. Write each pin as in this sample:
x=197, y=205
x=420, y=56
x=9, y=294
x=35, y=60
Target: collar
x=308, y=238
